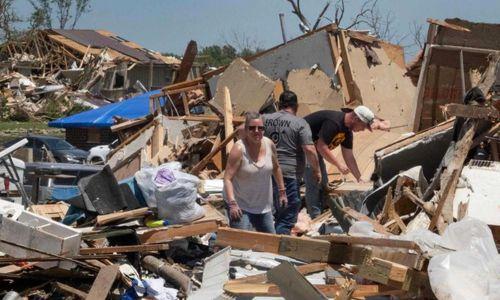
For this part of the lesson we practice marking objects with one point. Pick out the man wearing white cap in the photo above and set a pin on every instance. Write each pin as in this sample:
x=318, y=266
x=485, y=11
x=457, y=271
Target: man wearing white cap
x=329, y=129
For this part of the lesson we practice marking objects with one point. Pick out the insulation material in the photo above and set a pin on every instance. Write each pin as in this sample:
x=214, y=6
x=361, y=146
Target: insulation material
x=249, y=89
x=314, y=91
x=383, y=88
x=297, y=54
x=478, y=189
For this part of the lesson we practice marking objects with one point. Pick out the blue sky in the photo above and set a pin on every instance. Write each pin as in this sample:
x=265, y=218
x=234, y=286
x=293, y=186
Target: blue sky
x=168, y=25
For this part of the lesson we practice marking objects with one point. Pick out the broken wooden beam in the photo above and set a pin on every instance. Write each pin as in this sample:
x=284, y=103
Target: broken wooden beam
x=311, y=250
x=162, y=235
x=103, y=283
x=124, y=249
x=66, y=289
x=302, y=269
x=473, y=112
x=362, y=240
x=122, y=216
x=228, y=117
x=201, y=165
x=127, y=124
x=377, y=227
x=395, y=275
x=237, y=120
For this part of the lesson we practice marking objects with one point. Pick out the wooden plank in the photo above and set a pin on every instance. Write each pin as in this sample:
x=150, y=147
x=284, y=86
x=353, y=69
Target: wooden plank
x=196, y=169
x=361, y=36
x=386, y=272
x=184, y=84
x=330, y=290
x=128, y=124
x=447, y=25
x=469, y=111
x=124, y=249
x=443, y=198
x=348, y=95
x=122, y=216
x=397, y=276
x=346, y=65
x=103, y=283
x=292, y=284
x=302, y=269
x=70, y=290
x=154, y=236
x=362, y=240
x=305, y=249
x=462, y=148
x=416, y=137
x=237, y=120
x=187, y=62
x=228, y=118
x=419, y=96
x=242, y=239
x=377, y=227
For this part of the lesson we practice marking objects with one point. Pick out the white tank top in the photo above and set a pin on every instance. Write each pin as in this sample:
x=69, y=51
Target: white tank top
x=252, y=182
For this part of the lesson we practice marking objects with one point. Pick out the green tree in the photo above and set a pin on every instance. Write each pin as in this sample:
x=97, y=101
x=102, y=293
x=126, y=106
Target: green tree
x=65, y=12
x=217, y=56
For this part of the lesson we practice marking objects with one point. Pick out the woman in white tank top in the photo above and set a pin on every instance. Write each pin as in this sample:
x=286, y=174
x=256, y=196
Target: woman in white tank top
x=247, y=179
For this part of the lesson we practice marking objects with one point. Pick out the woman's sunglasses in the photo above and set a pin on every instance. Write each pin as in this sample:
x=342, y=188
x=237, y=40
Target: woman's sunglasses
x=253, y=128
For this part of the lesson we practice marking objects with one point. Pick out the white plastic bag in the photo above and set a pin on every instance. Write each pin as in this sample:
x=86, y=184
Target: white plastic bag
x=473, y=270
x=172, y=191
x=144, y=180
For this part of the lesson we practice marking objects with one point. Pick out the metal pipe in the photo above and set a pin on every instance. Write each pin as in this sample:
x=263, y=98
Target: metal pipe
x=462, y=73
x=282, y=23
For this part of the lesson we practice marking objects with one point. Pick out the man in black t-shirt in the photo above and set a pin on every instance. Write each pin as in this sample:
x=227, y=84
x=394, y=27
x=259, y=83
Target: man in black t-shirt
x=329, y=129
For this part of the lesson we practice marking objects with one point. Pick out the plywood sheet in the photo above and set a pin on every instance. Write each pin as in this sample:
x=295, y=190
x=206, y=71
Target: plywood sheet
x=383, y=88
x=314, y=91
x=248, y=87
x=364, y=145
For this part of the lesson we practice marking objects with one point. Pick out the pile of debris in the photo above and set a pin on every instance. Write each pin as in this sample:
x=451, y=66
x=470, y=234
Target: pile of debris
x=152, y=222
x=54, y=73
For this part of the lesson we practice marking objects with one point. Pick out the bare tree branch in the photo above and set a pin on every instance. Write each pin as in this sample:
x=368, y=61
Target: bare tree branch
x=416, y=32
x=296, y=10
x=321, y=15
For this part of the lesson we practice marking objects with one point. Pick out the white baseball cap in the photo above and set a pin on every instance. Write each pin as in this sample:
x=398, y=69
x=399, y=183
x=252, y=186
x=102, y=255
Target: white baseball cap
x=364, y=114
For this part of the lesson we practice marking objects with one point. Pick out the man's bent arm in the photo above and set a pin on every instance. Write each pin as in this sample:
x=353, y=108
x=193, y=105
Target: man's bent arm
x=324, y=151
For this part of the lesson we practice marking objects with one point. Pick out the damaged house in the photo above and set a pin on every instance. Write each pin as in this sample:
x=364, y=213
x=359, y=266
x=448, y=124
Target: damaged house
x=97, y=60
x=328, y=68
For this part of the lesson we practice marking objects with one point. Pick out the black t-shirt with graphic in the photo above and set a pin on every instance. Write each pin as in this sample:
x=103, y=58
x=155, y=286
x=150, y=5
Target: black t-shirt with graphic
x=329, y=125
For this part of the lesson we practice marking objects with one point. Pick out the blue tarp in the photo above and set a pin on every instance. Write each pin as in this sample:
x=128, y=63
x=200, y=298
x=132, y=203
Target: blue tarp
x=102, y=117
